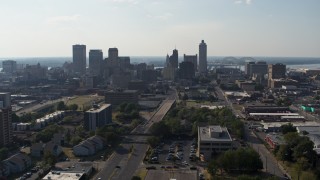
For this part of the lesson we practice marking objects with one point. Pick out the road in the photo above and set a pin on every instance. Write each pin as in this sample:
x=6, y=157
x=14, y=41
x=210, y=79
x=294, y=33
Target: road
x=35, y=107
x=122, y=164
x=270, y=163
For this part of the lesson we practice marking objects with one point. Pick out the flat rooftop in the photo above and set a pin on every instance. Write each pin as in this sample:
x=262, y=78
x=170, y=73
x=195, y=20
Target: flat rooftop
x=205, y=133
x=62, y=175
x=99, y=109
x=274, y=114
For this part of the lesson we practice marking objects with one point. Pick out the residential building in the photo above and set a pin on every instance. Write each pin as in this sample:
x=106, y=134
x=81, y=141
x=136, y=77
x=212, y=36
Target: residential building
x=17, y=163
x=5, y=119
x=168, y=73
x=95, y=62
x=203, y=57
x=89, y=146
x=193, y=59
x=39, y=149
x=97, y=116
x=213, y=140
x=79, y=58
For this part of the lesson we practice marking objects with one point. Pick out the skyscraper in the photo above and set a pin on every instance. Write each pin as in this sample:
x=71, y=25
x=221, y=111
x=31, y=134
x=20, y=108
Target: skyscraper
x=113, y=54
x=174, y=59
x=79, y=58
x=5, y=120
x=193, y=59
x=203, y=57
x=95, y=61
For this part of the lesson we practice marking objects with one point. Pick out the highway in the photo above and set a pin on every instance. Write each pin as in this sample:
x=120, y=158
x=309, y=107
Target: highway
x=122, y=164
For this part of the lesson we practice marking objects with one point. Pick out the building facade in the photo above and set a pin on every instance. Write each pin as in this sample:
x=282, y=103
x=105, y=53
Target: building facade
x=203, y=57
x=5, y=119
x=121, y=96
x=95, y=61
x=97, y=117
x=193, y=59
x=213, y=140
x=9, y=66
x=276, y=71
x=79, y=58
x=174, y=59
x=186, y=70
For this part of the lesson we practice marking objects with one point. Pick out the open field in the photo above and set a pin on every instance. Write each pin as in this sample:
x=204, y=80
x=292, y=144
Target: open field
x=84, y=101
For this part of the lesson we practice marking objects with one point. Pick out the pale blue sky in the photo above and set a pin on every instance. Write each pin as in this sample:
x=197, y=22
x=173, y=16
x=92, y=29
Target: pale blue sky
x=38, y=28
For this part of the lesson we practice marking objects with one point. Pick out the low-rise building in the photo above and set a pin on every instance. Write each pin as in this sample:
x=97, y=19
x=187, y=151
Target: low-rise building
x=213, y=140
x=121, y=96
x=39, y=149
x=274, y=140
x=89, y=146
x=17, y=163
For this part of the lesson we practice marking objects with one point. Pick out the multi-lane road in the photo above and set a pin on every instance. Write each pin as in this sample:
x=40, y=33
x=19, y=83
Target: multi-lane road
x=122, y=164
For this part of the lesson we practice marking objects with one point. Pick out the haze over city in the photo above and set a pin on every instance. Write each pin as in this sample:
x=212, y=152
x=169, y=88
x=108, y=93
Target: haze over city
x=48, y=28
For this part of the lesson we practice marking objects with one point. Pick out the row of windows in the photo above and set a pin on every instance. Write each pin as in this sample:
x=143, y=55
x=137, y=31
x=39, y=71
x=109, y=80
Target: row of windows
x=215, y=144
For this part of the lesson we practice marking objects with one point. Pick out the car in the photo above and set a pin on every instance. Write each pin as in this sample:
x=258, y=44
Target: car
x=151, y=167
x=162, y=167
x=169, y=167
x=118, y=167
x=193, y=168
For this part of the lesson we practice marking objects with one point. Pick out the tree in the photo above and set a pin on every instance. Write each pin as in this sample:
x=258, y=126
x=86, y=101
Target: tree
x=288, y=128
x=15, y=118
x=185, y=97
x=49, y=158
x=136, y=178
x=75, y=140
x=212, y=167
x=61, y=106
x=3, y=153
x=73, y=107
x=160, y=129
x=153, y=141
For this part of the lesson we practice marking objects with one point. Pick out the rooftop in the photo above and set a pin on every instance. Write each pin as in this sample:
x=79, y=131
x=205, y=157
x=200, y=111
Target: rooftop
x=99, y=109
x=214, y=133
x=62, y=175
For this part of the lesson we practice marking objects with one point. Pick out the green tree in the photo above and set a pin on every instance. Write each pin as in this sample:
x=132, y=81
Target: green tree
x=288, y=128
x=136, y=178
x=3, y=153
x=73, y=107
x=49, y=158
x=212, y=167
x=61, y=106
x=153, y=141
x=75, y=140
x=160, y=129
x=15, y=118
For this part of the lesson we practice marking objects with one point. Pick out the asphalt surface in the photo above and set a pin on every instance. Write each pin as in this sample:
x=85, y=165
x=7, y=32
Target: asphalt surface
x=122, y=164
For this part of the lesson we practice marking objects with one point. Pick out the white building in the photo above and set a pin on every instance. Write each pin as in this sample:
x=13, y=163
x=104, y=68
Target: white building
x=213, y=140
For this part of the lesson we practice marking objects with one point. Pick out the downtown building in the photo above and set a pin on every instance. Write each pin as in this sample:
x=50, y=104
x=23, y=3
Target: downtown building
x=5, y=119
x=95, y=62
x=193, y=59
x=79, y=59
x=97, y=117
x=202, y=57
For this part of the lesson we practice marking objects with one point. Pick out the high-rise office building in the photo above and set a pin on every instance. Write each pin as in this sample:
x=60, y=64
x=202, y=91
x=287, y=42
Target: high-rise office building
x=259, y=67
x=193, y=59
x=276, y=71
x=95, y=61
x=5, y=119
x=9, y=66
x=113, y=54
x=79, y=58
x=173, y=59
x=203, y=57
x=186, y=70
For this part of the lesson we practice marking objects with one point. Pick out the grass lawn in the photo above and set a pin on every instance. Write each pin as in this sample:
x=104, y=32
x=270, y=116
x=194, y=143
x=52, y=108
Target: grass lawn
x=142, y=173
x=84, y=101
x=69, y=153
x=294, y=174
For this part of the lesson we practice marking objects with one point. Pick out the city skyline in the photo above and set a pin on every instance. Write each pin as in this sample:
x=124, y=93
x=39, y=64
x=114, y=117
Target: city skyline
x=153, y=28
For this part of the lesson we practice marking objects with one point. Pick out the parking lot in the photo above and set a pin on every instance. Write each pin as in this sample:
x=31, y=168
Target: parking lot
x=175, y=153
